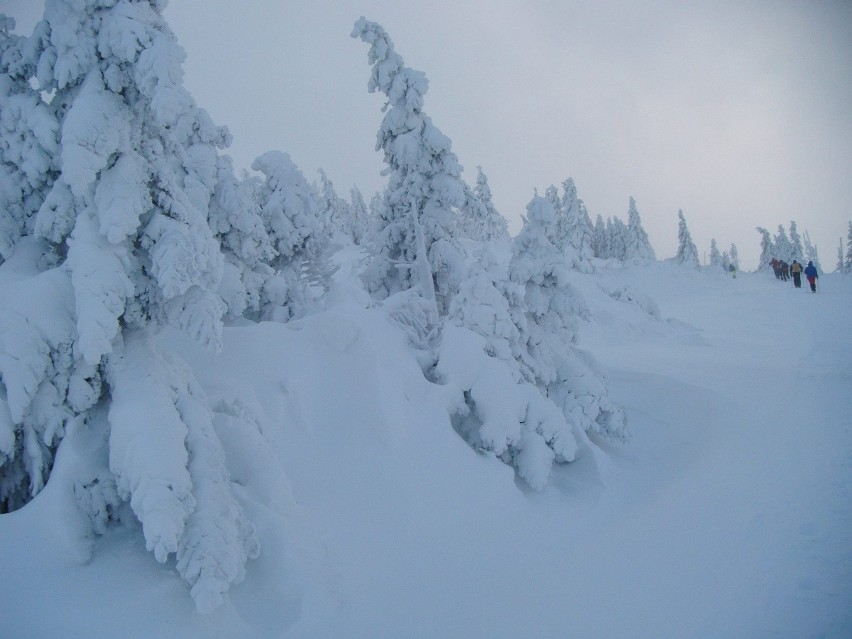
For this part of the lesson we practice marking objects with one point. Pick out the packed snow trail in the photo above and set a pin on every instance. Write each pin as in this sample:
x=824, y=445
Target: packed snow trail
x=729, y=514
x=750, y=534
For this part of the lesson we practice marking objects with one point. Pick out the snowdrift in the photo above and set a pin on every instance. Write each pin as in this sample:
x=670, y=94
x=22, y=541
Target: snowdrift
x=726, y=515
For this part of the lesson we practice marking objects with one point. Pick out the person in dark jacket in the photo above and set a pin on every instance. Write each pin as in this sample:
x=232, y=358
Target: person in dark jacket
x=812, y=275
x=796, y=272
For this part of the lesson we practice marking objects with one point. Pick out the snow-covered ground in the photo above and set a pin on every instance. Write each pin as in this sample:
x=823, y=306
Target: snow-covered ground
x=728, y=514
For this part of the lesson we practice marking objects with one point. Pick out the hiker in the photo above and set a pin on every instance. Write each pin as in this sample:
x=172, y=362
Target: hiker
x=733, y=270
x=812, y=275
x=796, y=272
x=776, y=268
x=785, y=271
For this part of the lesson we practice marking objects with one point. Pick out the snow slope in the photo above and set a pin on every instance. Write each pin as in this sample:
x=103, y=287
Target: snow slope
x=729, y=514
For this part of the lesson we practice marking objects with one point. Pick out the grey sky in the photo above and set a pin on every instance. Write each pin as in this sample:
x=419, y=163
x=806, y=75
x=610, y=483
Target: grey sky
x=740, y=113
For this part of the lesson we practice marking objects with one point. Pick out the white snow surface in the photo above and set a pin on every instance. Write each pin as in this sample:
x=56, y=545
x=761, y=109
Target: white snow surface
x=728, y=513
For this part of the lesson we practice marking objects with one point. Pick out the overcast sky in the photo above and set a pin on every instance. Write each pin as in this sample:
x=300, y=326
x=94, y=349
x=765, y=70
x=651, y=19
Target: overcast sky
x=739, y=113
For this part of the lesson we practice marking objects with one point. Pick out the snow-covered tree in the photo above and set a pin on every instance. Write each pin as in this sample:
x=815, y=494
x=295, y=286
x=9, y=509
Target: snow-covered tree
x=715, y=256
x=616, y=238
x=360, y=216
x=235, y=218
x=292, y=219
x=552, y=309
x=573, y=233
x=767, y=249
x=599, y=238
x=415, y=246
x=526, y=392
x=638, y=246
x=479, y=219
x=333, y=211
x=734, y=257
x=847, y=264
x=127, y=218
x=552, y=305
x=810, y=252
x=494, y=224
x=29, y=140
x=783, y=247
x=687, y=253
x=796, y=249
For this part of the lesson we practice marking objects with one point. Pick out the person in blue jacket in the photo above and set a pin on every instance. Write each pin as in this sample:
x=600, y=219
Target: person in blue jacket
x=812, y=275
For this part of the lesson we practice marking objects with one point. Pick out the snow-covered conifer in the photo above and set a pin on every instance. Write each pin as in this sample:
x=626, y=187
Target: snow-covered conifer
x=847, y=264
x=638, y=246
x=494, y=224
x=528, y=393
x=783, y=247
x=616, y=232
x=415, y=246
x=245, y=244
x=479, y=219
x=734, y=257
x=333, y=210
x=687, y=253
x=810, y=252
x=291, y=216
x=552, y=304
x=767, y=249
x=797, y=251
x=599, y=238
x=552, y=361
x=715, y=256
x=361, y=222
x=29, y=140
x=135, y=183
x=574, y=235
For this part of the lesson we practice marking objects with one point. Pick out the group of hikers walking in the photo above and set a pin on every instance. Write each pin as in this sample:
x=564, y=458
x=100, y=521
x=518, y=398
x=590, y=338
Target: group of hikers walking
x=784, y=271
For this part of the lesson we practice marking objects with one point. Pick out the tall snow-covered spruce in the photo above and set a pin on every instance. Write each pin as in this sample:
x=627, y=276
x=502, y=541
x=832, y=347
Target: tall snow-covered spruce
x=767, y=249
x=687, y=253
x=638, y=245
x=132, y=169
x=414, y=245
x=502, y=322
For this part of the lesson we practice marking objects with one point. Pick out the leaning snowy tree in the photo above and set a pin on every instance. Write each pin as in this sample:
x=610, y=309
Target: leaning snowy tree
x=767, y=249
x=126, y=219
x=687, y=253
x=415, y=244
x=638, y=247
